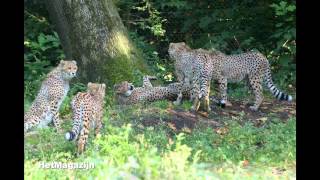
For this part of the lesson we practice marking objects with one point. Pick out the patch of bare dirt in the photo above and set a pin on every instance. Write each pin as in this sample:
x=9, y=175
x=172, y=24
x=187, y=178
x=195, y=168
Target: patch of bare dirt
x=269, y=108
x=178, y=119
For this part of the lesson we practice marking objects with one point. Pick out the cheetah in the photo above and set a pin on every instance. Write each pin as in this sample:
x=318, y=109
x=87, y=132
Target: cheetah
x=87, y=108
x=126, y=93
x=252, y=66
x=45, y=107
x=192, y=68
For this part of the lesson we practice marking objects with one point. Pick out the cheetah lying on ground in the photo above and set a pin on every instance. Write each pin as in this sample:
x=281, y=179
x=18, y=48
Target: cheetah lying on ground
x=126, y=93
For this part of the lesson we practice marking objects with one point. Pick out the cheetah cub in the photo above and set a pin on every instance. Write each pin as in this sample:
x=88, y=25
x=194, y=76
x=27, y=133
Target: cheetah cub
x=45, y=107
x=126, y=93
x=87, y=110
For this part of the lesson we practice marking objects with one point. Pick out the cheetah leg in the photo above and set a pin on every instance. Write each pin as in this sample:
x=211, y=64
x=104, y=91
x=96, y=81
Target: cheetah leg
x=35, y=121
x=32, y=122
x=84, y=133
x=185, y=85
x=255, y=83
x=207, y=101
x=196, y=104
x=196, y=101
x=57, y=121
x=179, y=99
x=146, y=81
x=82, y=141
x=223, y=85
x=55, y=116
x=98, y=124
x=192, y=95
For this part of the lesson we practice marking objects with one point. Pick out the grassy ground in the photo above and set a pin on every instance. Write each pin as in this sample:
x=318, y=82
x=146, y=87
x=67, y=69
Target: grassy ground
x=163, y=141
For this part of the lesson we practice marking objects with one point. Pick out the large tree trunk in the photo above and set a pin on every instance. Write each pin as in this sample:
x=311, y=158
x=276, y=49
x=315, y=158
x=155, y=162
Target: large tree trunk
x=93, y=34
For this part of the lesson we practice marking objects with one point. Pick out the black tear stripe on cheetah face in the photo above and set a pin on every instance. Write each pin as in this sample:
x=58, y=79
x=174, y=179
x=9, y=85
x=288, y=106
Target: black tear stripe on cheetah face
x=252, y=66
x=126, y=93
x=45, y=107
x=87, y=108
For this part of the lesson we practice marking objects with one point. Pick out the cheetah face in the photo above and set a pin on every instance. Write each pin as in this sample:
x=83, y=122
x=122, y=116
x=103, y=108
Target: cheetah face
x=69, y=69
x=96, y=89
x=124, y=88
x=175, y=48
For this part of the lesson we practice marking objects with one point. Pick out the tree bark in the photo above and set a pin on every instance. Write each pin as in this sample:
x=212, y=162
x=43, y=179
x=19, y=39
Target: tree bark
x=92, y=33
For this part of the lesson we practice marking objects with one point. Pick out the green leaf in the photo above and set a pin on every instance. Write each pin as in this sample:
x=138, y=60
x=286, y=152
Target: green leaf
x=41, y=39
x=283, y=4
x=160, y=67
x=291, y=8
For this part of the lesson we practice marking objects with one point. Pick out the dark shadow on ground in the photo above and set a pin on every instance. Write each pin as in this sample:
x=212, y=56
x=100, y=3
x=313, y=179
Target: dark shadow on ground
x=178, y=119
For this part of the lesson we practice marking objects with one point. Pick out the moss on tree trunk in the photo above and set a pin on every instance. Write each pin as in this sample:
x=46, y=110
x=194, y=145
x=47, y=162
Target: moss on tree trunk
x=92, y=33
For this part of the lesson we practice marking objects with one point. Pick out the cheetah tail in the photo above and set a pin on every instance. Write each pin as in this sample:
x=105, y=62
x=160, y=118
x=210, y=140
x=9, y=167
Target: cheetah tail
x=70, y=135
x=274, y=90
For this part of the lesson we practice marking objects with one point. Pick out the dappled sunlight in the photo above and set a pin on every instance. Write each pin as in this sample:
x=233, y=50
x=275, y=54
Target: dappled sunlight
x=120, y=45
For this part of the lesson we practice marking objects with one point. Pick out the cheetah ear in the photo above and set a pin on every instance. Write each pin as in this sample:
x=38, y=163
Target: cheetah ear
x=89, y=83
x=61, y=62
x=103, y=85
x=75, y=62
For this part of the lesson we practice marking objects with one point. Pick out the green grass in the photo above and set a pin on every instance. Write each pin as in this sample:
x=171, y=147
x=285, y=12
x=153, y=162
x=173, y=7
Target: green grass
x=128, y=149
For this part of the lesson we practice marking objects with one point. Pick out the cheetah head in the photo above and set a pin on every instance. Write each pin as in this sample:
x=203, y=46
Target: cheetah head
x=124, y=88
x=96, y=89
x=175, y=48
x=68, y=68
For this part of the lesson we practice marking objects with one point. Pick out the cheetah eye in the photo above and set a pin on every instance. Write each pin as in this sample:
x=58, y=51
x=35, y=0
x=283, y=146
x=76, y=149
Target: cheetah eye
x=69, y=68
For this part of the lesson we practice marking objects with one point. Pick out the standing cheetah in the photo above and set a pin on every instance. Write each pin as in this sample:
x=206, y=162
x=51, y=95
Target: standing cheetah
x=192, y=68
x=223, y=68
x=45, y=107
x=253, y=66
x=87, y=110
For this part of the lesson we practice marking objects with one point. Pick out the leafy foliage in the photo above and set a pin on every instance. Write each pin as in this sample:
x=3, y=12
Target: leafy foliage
x=230, y=26
x=42, y=49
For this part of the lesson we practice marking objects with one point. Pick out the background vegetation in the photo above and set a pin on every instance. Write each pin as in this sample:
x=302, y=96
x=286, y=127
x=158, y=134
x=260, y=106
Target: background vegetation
x=128, y=151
